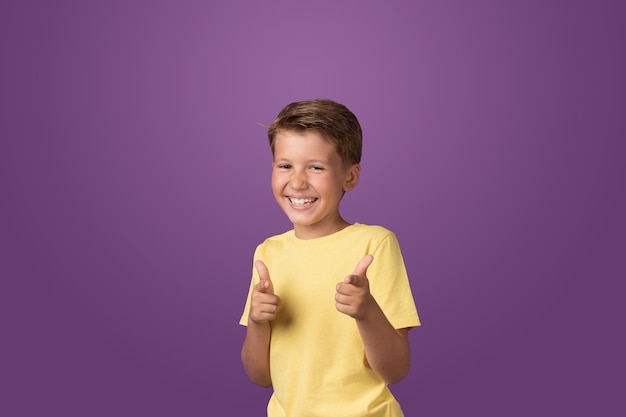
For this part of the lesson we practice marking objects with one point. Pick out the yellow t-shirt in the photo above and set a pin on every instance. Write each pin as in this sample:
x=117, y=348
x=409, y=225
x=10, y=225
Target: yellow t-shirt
x=317, y=358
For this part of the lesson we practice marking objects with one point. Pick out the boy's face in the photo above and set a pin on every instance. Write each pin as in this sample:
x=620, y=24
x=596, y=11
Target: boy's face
x=308, y=181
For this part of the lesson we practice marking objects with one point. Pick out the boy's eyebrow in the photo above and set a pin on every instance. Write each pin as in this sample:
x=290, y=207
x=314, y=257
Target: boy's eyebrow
x=310, y=161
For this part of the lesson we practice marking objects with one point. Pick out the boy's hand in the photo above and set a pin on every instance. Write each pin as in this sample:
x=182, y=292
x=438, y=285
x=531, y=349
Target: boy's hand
x=353, y=294
x=264, y=303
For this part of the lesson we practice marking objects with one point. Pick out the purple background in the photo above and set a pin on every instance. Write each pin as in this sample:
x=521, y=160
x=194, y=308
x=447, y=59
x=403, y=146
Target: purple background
x=135, y=174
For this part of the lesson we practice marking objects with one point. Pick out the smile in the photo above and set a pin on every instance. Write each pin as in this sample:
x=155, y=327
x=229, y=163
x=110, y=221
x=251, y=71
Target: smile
x=302, y=202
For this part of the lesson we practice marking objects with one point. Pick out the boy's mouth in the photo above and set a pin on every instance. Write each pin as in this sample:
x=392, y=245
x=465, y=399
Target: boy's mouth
x=301, y=202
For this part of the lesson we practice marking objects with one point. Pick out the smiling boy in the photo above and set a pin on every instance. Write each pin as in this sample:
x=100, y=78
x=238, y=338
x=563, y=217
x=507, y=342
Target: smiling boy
x=330, y=305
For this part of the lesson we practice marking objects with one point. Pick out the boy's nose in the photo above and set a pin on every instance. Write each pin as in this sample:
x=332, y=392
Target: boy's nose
x=298, y=181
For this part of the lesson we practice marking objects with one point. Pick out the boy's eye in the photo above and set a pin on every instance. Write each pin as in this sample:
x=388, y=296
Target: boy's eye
x=317, y=168
x=284, y=166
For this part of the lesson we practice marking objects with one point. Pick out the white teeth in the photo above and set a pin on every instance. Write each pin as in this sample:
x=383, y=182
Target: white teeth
x=302, y=201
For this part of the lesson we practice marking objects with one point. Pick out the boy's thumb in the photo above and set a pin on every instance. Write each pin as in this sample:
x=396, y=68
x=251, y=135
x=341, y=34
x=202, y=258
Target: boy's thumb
x=264, y=274
x=361, y=267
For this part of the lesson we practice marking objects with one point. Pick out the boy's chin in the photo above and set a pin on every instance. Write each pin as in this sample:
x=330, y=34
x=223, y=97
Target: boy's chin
x=298, y=216
x=298, y=221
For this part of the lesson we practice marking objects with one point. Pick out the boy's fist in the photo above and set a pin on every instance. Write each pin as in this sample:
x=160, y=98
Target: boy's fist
x=353, y=294
x=264, y=303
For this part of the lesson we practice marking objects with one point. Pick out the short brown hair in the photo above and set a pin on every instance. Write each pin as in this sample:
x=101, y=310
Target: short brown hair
x=334, y=122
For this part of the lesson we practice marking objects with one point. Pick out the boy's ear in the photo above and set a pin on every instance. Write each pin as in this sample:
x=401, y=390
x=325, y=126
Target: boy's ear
x=352, y=177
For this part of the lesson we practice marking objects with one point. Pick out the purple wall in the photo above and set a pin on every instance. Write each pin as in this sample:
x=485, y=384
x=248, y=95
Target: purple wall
x=134, y=179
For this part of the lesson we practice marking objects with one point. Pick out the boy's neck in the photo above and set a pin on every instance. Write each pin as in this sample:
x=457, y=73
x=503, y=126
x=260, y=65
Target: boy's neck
x=315, y=231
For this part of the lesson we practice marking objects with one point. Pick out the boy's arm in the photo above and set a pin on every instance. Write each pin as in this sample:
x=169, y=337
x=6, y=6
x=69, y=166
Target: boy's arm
x=386, y=349
x=255, y=353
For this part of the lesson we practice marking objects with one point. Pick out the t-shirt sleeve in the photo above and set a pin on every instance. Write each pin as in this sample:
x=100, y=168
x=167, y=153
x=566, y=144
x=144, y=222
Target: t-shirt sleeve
x=255, y=279
x=389, y=284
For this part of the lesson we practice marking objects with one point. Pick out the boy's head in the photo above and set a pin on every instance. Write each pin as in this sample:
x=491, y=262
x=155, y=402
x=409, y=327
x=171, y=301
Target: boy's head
x=334, y=122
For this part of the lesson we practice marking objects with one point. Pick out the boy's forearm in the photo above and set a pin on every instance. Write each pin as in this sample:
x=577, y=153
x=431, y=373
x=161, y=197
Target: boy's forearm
x=255, y=353
x=386, y=349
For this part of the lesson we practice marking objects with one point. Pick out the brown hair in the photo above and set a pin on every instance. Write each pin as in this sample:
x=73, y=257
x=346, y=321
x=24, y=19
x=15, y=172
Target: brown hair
x=334, y=122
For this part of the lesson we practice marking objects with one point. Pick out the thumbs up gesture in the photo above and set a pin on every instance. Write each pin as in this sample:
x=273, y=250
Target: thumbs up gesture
x=264, y=303
x=353, y=294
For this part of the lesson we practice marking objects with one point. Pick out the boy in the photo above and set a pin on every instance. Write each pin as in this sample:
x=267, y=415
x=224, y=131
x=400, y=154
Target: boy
x=327, y=343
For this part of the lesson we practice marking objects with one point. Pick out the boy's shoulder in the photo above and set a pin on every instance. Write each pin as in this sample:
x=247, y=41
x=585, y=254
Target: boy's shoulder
x=371, y=229
x=279, y=239
x=372, y=233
